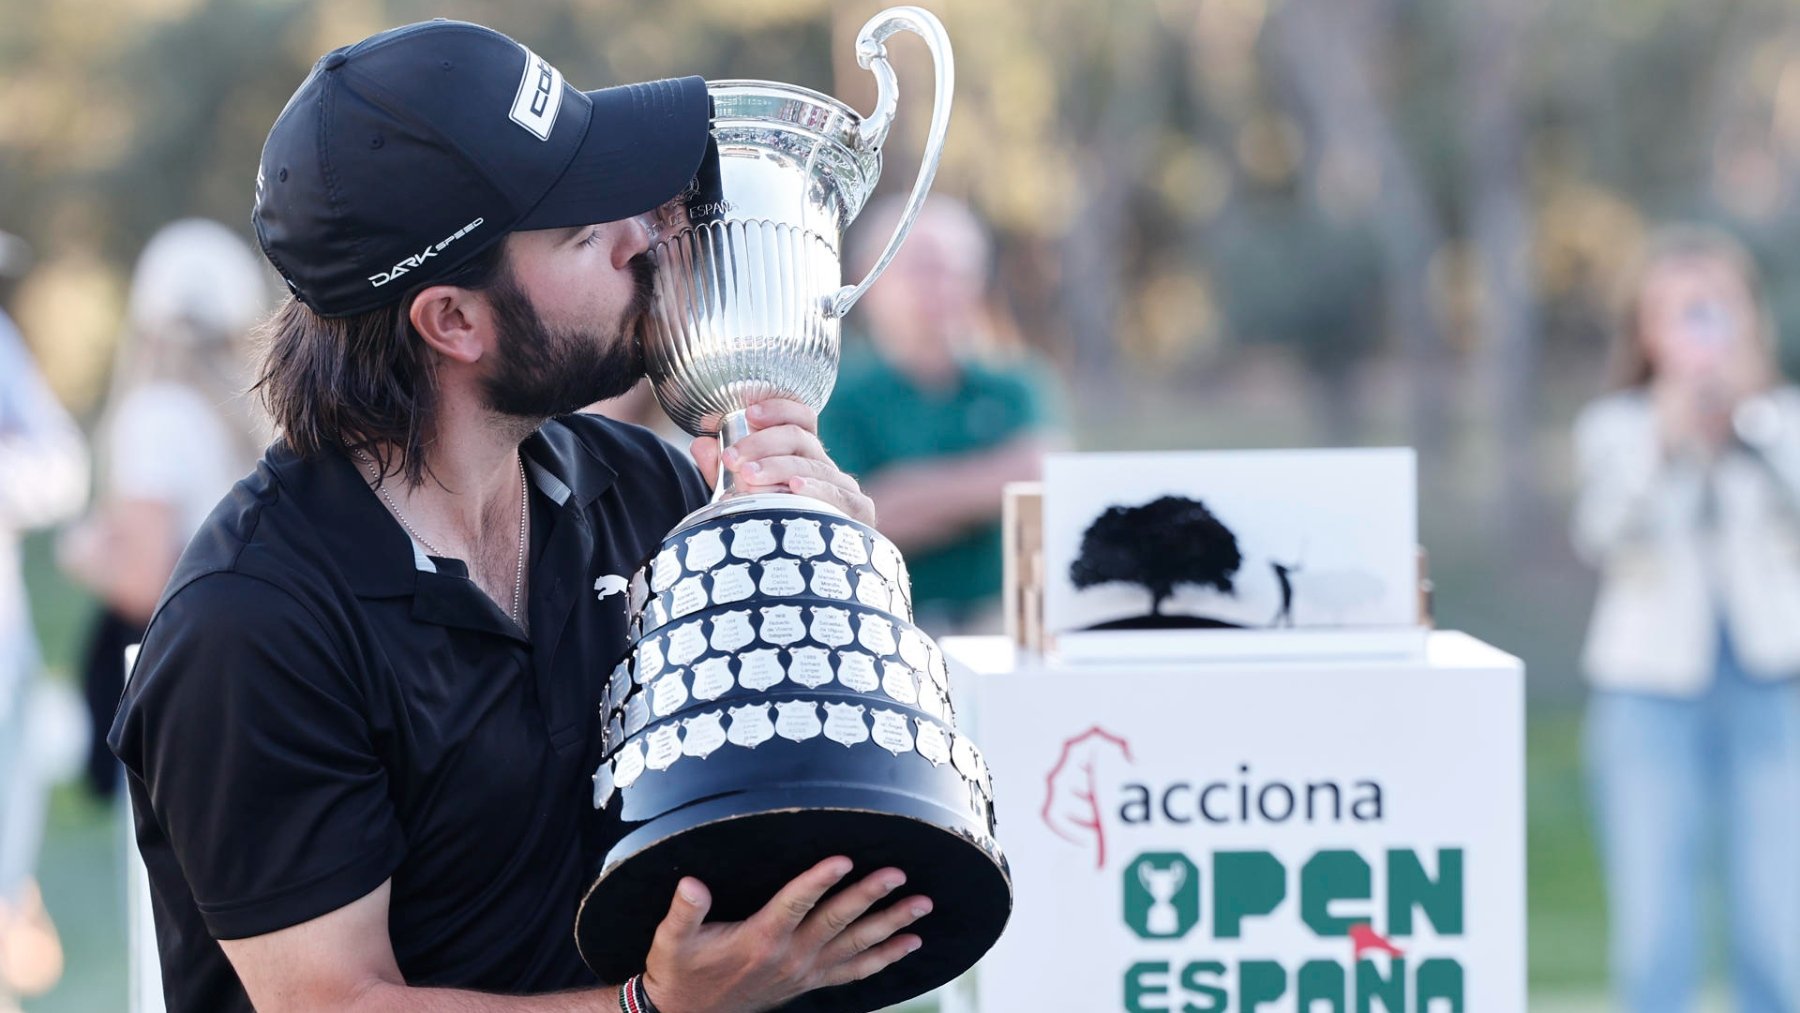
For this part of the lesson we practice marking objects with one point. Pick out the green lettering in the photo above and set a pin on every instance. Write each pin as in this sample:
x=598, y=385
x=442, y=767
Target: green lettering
x=1260, y=981
x=1245, y=883
x=1441, y=978
x=1137, y=987
x=1218, y=999
x=1370, y=985
x=1408, y=886
x=1330, y=876
x=1320, y=981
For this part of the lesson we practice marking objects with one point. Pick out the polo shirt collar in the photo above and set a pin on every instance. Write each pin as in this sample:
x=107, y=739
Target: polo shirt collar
x=376, y=555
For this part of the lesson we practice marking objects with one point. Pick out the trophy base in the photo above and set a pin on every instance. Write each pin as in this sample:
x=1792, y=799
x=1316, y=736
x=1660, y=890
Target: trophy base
x=745, y=859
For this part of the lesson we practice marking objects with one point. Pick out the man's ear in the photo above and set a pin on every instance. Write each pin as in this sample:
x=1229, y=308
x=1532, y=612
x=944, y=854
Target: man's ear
x=455, y=322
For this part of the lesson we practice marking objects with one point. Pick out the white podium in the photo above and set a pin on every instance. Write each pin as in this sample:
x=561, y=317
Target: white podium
x=1298, y=836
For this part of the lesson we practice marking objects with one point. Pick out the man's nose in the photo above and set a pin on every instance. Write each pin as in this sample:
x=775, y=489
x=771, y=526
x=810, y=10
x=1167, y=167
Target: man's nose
x=640, y=234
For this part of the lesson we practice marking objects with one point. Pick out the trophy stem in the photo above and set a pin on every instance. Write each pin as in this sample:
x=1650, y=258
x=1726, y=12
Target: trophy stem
x=732, y=428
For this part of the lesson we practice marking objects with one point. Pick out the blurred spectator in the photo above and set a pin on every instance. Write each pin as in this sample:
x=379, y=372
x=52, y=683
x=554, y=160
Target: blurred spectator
x=176, y=433
x=43, y=479
x=1689, y=491
x=931, y=416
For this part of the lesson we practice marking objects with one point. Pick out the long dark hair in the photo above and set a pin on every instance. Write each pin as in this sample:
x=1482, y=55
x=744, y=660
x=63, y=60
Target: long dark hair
x=366, y=382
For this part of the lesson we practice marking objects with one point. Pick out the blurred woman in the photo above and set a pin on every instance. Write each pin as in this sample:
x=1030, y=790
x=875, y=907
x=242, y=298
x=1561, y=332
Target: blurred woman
x=177, y=432
x=1689, y=505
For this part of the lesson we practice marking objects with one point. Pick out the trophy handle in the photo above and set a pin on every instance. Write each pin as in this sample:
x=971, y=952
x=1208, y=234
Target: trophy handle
x=871, y=54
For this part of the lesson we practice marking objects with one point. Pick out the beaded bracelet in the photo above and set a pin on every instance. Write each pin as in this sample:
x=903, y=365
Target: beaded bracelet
x=633, y=998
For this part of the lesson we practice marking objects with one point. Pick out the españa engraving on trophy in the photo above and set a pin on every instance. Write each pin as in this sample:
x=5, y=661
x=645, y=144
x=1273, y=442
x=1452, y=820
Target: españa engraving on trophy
x=686, y=643
x=761, y=669
x=732, y=584
x=844, y=724
x=753, y=539
x=668, y=693
x=781, y=625
x=750, y=726
x=831, y=626
x=847, y=545
x=781, y=578
x=629, y=764
x=800, y=536
x=876, y=633
x=897, y=682
x=797, y=720
x=931, y=743
x=892, y=732
x=712, y=678
x=664, y=747
x=831, y=580
x=702, y=734
x=705, y=550
x=810, y=666
x=857, y=671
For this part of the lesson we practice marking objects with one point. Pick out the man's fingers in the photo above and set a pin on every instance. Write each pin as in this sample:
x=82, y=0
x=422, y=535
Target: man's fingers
x=767, y=443
x=872, y=930
x=870, y=961
x=839, y=913
x=705, y=452
x=779, y=471
x=787, y=909
x=781, y=411
x=687, y=912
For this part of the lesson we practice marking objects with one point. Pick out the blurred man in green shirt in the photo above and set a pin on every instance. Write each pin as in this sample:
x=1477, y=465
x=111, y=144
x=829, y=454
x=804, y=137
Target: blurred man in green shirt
x=932, y=417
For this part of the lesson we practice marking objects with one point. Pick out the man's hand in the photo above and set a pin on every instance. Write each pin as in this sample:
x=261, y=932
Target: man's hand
x=794, y=945
x=783, y=454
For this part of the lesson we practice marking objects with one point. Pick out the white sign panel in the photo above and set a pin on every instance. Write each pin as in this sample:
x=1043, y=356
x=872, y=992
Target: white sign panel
x=1269, y=839
x=1273, y=539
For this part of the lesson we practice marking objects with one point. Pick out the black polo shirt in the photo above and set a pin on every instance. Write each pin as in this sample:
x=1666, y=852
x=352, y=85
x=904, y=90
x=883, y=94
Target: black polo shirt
x=320, y=706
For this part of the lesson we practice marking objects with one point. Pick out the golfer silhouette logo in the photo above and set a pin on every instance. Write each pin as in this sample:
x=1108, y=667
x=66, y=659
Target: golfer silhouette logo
x=1162, y=895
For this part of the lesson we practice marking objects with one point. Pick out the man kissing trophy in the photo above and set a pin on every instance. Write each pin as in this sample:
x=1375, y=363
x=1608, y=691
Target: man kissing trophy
x=777, y=706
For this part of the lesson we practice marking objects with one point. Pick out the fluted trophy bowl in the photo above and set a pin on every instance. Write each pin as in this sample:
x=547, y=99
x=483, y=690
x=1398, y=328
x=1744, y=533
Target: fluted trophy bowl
x=776, y=705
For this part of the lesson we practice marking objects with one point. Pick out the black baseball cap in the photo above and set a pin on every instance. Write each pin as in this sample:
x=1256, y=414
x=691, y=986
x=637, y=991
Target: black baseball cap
x=403, y=156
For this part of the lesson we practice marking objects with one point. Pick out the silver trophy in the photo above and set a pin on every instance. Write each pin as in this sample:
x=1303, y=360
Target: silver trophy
x=777, y=705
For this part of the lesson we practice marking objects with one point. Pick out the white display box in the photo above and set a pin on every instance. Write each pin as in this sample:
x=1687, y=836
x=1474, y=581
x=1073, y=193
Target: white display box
x=1256, y=835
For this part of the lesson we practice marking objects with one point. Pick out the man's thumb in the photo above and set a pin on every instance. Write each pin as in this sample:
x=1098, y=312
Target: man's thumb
x=687, y=911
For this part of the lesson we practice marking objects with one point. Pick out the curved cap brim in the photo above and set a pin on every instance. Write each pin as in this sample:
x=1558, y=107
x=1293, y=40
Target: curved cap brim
x=644, y=143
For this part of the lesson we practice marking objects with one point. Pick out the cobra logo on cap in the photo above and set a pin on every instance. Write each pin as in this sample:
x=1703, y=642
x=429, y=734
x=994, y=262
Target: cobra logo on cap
x=539, y=98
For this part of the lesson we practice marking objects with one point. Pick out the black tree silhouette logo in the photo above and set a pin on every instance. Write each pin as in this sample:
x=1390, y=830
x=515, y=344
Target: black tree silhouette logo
x=1169, y=541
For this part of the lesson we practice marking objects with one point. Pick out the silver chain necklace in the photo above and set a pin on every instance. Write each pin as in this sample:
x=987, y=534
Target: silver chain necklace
x=524, y=515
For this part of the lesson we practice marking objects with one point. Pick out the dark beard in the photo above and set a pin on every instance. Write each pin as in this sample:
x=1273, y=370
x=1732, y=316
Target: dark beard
x=543, y=372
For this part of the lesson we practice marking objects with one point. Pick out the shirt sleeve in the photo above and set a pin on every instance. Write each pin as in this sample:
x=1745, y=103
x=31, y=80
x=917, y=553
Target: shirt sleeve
x=248, y=729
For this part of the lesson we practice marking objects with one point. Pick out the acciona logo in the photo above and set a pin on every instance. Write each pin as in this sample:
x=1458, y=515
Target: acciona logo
x=1093, y=786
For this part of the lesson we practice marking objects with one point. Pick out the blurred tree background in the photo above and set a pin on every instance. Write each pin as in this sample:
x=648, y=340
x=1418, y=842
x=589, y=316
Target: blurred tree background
x=1231, y=222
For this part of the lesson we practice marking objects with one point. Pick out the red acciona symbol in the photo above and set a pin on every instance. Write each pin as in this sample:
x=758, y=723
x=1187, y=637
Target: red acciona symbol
x=1071, y=795
x=1364, y=938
